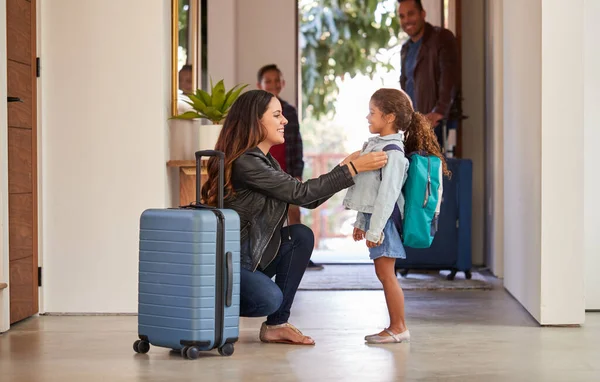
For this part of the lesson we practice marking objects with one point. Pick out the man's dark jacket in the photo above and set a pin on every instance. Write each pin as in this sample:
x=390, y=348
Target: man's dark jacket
x=437, y=71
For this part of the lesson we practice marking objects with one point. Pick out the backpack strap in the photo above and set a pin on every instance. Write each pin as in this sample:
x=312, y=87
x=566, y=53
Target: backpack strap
x=397, y=219
x=396, y=215
x=392, y=146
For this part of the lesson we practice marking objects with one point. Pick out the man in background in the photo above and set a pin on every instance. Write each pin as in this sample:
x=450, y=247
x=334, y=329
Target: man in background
x=290, y=153
x=185, y=79
x=185, y=86
x=430, y=67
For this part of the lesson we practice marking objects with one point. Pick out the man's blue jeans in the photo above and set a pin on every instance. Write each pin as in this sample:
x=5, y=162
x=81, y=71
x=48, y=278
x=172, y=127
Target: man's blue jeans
x=260, y=296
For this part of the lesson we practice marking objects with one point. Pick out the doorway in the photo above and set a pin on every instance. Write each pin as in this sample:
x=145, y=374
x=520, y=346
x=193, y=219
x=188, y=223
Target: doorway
x=337, y=80
x=337, y=83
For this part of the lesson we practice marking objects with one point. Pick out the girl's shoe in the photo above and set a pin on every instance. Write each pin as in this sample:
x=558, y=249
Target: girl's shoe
x=377, y=334
x=391, y=339
x=371, y=335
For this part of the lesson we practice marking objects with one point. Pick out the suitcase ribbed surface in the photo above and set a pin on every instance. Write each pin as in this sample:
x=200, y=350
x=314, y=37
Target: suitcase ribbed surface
x=177, y=277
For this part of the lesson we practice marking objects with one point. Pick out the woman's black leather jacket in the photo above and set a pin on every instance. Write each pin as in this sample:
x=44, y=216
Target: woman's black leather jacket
x=262, y=193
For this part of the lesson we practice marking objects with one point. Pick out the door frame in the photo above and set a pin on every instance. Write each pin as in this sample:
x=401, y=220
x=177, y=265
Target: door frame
x=4, y=259
x=35, y=160
x=5, y=314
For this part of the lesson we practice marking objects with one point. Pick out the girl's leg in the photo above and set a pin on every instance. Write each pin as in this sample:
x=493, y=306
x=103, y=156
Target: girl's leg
x=394, y=297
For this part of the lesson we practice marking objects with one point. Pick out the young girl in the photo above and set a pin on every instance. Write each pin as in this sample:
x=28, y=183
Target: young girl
x=375, y=194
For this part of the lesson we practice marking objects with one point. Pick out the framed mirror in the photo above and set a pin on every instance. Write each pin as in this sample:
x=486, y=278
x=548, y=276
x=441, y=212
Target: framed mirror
x=188, y=35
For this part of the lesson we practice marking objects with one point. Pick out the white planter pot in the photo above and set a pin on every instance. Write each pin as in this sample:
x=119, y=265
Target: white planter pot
x=188, y=136
x=209, y=134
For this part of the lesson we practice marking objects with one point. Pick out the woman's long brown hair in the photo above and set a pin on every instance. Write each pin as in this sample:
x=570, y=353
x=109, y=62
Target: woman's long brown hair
x=242, y=130
x=418, y=131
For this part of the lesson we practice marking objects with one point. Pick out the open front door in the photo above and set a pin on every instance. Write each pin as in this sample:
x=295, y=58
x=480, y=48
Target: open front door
x=22, y=158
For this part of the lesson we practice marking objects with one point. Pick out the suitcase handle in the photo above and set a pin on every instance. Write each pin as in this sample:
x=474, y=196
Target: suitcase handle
x=210, y=153
x=229, y=266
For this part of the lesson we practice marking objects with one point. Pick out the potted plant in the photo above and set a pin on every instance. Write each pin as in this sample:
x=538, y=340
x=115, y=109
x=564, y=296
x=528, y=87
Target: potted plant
x=213, y=107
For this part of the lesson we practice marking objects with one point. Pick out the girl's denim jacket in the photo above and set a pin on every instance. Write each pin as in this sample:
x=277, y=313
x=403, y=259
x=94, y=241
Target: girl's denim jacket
x=375, y=192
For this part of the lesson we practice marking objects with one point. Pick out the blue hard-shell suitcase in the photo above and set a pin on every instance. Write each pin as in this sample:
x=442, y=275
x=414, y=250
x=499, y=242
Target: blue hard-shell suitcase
x=451, y=246
x=189, y=276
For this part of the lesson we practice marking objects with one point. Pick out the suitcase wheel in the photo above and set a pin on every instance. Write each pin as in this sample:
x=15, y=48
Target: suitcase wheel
x=141, y=347
x=452, y=275
x=226, y=350
x=190, y=352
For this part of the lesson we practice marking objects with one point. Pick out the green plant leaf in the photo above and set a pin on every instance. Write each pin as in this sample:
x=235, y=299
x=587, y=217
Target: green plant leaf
x=196, y=103
x=218, y=95
x=210, y=110
x=204, y=96
x=231, y=91
x=213, y=106
x=187, y=115
x=213, y=114
x=231, y=96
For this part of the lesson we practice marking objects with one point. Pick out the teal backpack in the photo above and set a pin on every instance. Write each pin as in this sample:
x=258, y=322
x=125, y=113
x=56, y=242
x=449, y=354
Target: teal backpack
x=422, y=199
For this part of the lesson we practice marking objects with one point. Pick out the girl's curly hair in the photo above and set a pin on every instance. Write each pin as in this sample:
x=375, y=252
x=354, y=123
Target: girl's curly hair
x=417, y=129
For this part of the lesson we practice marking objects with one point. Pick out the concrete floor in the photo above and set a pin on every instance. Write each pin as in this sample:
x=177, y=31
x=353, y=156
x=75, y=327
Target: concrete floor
x=456, y=336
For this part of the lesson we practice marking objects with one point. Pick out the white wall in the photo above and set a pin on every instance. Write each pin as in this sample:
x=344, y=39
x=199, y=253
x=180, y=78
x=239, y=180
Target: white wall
x=452, y=16
x=105, y=95
x=562, y=164
x=222, y=29
x=522, y=151
x=434, y=11
x=543, y=159
x=473, y=128
x=245, y=35
x=266, y=34
x=4, y=259
x=592, y=142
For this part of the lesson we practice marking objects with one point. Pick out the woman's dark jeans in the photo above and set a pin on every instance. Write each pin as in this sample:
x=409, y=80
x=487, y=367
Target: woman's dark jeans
x=260, y=296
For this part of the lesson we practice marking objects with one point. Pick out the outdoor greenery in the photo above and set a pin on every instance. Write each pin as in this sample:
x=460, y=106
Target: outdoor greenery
x=341, y=38
x=183, y=28
x=323, y=136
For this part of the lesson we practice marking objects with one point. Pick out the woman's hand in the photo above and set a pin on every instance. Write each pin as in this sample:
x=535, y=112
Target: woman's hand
x=358, y=234
x=369, y=162
x=350, y=157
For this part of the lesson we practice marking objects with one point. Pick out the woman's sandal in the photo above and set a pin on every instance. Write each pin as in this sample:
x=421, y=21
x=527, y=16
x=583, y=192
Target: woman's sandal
x=264, y=328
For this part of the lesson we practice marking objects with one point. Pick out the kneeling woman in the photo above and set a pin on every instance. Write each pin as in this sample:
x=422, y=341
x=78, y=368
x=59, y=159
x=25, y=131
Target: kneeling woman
x=260, y=192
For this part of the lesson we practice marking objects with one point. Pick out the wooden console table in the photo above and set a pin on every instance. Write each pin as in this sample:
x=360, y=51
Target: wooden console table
x=187, y=179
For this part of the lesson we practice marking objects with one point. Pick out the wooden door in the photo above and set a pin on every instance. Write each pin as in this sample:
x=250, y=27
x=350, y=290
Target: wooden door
x=22, y=158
